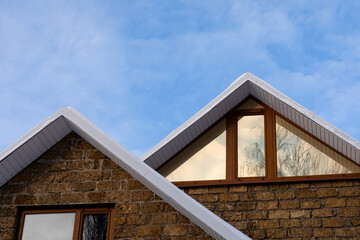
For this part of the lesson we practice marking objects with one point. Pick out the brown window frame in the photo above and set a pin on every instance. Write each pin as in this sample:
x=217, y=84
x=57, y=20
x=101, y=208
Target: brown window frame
x=79, y=211
x=270, y=151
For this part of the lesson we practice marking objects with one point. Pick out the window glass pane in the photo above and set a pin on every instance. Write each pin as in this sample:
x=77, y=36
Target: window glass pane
x=49, y=226
x=205, y=159
x=94, y=227
x=298, y=154
x=251, y=146
x=250, y=104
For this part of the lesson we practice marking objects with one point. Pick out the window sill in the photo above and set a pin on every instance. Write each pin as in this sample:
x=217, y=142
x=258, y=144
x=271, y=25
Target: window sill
x=265, y=180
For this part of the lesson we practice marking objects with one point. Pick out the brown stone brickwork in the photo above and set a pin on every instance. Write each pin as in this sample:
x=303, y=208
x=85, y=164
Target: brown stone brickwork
x=74, y=172
x=306, y=210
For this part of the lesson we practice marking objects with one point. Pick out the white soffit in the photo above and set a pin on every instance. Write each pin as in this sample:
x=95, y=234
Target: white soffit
x=248, y=84
x=29, y=147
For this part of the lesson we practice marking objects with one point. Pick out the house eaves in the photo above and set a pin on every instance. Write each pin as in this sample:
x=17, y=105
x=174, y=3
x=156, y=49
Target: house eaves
x=248, y=84
x=37, y=141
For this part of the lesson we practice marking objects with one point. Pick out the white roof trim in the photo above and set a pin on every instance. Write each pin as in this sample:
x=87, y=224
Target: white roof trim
x=261, y=83
x=248, y=84
x=68, y=119
x=238, y=82
x=30, y=134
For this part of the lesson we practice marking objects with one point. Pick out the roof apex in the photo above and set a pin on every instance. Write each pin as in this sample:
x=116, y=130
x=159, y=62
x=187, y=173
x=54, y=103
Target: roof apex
x=42, y=137
x=248, y=84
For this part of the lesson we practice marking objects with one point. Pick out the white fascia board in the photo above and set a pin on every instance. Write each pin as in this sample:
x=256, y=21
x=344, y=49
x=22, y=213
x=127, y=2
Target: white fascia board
x=304, y=111
x=196, y=212
x=21, y=141
x=238, y=82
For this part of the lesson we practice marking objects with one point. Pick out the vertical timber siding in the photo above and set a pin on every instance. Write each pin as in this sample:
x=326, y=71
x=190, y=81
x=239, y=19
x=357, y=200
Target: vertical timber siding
x=304, y=210
x=74, y=172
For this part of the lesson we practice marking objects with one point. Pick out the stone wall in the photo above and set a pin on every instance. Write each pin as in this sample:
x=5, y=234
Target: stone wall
x=74, y=172
x=304, y=210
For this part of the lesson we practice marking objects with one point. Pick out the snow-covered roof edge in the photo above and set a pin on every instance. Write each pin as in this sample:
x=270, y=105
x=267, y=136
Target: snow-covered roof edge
x=29, y=147
x=248, y=84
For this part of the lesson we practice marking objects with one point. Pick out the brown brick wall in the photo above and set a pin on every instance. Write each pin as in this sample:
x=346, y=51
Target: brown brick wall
x=74, y=172
x=305, y=210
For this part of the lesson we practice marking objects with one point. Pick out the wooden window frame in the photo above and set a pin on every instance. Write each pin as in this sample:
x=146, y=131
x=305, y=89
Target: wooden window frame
x=79, y=211
x=270, y=151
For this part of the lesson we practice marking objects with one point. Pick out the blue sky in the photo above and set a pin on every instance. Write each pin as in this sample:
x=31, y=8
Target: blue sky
x=139, y=69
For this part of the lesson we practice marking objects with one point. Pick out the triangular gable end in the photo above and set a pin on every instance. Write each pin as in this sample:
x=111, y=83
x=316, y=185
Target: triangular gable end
x=246, y=85
x=241, y=145
x=56, y=127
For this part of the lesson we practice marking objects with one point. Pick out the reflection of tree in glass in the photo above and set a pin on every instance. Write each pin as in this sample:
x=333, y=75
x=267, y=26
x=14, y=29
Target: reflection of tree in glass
x=296, y=157
x=297, y=154
x=95, y=227
x=255, y=154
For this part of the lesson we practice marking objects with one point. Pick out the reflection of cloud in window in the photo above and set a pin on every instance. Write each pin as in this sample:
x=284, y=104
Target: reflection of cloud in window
x=251, y=159
x=205, y=159
x=51, y=226
x=206, y=164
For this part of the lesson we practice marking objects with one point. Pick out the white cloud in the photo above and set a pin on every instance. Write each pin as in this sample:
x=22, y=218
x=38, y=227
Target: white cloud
x=140, y=69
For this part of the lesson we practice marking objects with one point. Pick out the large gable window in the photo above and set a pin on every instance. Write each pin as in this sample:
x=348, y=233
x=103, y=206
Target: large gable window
x=253, y=143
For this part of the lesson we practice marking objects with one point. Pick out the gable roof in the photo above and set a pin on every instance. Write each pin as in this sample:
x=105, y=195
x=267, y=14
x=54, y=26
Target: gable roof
x=29, y=147
x=248, y=84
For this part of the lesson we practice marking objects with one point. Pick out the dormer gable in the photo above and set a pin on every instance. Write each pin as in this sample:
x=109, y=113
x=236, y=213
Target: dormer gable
x=253, y=133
